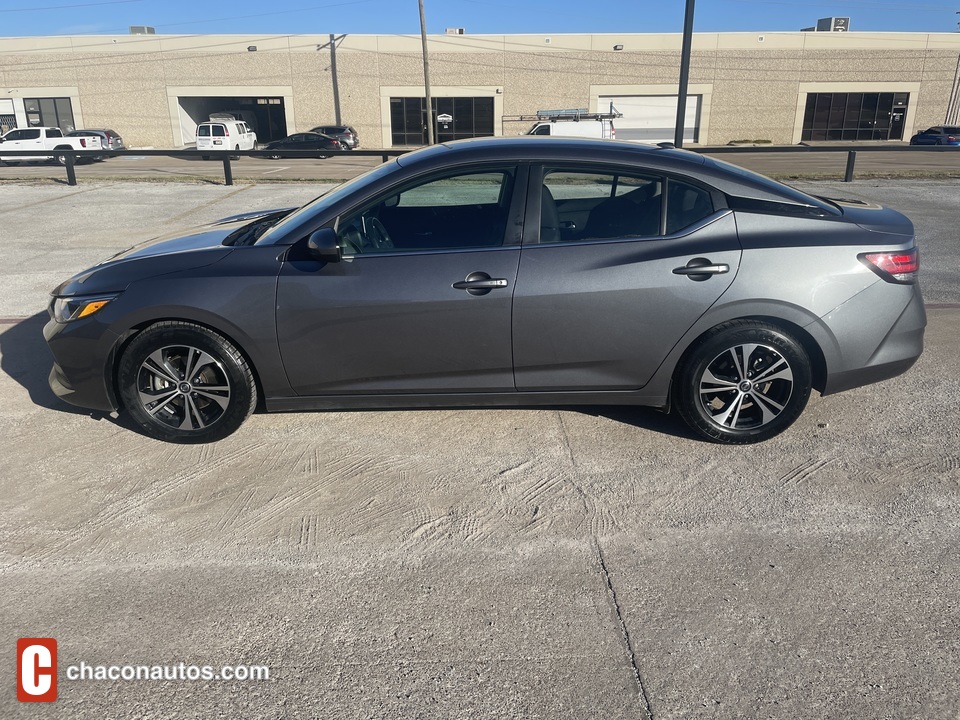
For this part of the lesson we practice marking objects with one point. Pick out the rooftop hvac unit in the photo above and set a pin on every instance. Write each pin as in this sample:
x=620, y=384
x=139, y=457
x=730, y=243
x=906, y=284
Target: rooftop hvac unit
x=142, y=30
x=833, y=24
x=456, y=31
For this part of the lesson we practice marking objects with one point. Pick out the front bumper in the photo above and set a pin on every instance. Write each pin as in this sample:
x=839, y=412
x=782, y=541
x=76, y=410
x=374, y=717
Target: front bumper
x=82, y=372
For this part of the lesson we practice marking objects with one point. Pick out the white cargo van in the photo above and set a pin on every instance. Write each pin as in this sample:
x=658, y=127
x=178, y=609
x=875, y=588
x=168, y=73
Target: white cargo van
x=223, y=133
x=589, y=128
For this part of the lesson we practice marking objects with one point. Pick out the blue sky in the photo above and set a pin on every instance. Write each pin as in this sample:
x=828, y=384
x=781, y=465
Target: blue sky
x=63, y=17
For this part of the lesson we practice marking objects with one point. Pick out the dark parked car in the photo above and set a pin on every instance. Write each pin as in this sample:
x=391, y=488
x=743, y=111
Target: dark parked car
x=940, y=135
x=503, y=272
x=109, y=139
x=344, y=133
x=303, y=141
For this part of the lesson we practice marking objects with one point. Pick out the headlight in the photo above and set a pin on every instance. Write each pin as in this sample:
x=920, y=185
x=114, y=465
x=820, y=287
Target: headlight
x=66, y=309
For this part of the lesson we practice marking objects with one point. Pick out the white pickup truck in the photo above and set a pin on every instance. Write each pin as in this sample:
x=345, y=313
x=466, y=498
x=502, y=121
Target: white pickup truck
x=44, y=138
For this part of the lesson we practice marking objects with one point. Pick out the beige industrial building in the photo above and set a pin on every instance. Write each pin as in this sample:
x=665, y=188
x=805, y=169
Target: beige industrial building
x=782, y=87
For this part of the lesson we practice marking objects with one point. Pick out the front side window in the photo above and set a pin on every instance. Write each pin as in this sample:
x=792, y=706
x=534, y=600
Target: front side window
x=24, y=135
x=457, y=212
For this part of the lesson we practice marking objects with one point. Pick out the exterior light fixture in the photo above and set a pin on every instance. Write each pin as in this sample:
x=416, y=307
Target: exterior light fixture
x=251, y=48
x=618, y=47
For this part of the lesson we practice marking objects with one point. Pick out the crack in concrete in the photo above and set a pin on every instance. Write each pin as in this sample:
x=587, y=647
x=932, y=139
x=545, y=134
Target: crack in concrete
x=627, y=641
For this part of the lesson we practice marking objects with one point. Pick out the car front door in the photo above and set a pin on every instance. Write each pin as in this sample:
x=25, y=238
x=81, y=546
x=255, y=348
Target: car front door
x=420, y=302
x=609, y=284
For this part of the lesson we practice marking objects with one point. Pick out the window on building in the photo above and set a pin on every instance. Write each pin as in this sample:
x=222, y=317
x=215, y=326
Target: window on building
x=855, y=116
x=50, y=112
x=463, y=117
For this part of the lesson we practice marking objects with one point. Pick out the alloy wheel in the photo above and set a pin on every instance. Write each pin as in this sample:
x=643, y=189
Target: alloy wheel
x=746, y=386
x=183, y=387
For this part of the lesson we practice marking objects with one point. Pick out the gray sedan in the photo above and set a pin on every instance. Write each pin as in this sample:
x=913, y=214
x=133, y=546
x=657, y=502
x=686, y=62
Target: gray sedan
x=503, y=272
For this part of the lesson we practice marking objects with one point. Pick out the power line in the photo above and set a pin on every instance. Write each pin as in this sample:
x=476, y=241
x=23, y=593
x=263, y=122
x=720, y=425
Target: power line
x=66, y=7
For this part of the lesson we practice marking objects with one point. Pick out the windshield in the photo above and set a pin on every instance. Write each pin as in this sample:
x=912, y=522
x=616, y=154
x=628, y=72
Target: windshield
x=304, y=217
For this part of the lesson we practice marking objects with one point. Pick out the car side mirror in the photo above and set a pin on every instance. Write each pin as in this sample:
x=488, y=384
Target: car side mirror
x=322, y=245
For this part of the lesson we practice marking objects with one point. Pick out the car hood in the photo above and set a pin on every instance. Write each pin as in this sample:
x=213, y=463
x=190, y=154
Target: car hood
x=160, y=256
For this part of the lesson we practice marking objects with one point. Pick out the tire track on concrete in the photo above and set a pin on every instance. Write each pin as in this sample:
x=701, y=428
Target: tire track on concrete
x=364, y=480
x=121, y=507
x=793, y=478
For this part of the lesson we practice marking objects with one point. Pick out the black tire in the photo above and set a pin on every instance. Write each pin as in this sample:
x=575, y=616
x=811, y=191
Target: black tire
x=235, y=157
x=743, y=382
x=213, y=403
x=274, y=157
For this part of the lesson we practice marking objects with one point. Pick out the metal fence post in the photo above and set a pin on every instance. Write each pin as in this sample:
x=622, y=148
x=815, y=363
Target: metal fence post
x=851, y=161
x=227, y=170
x=71, y=170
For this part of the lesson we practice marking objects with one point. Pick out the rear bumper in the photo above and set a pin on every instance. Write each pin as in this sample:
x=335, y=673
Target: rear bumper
x=890, y=354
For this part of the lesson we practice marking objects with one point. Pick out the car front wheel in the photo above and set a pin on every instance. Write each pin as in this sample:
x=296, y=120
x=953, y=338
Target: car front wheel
x=185, y=383
x=743, y=382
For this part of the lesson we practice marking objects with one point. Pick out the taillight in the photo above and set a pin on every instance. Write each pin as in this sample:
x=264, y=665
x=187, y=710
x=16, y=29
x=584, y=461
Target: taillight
x=951, y=138
x=896, y=267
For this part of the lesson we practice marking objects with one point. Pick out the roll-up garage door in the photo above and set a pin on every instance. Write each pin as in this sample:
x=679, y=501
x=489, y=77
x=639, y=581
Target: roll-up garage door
x=651, y=118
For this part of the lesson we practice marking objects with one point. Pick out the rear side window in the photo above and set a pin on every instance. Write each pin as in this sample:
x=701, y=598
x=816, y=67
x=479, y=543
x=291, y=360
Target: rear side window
x=589, y=205
x=54, y=133
x=686, y=204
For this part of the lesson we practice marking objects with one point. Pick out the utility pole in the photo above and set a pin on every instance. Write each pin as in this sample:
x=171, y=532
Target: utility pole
x=333, y=76
x=684, y=73
x=426, y=75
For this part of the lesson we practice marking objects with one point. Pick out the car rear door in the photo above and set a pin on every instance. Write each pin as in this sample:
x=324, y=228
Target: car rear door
x=421, y=302
x=599, y=306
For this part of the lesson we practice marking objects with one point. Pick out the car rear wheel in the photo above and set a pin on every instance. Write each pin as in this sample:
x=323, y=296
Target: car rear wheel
x=185, y=383
x=743, y=382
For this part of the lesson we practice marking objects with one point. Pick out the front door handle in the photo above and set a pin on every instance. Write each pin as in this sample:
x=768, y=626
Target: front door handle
x=700, y=269
x=479, y=283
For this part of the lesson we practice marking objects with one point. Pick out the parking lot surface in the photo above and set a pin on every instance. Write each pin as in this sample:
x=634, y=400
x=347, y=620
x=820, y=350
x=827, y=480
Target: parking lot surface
x=537, y=563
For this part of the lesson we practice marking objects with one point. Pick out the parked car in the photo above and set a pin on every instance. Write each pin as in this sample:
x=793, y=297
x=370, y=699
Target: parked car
x=225, y=134
x=303, y=141
x=44, y=138
x=344, y=133
x=939, y=135
x=503, y=272
x=109, y=139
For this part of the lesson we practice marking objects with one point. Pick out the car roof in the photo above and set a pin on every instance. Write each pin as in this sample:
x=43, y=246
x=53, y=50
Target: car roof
x=723, y=176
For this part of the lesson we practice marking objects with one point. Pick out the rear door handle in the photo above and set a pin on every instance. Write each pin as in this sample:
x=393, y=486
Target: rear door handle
x=479, y=283
x=700, y=269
